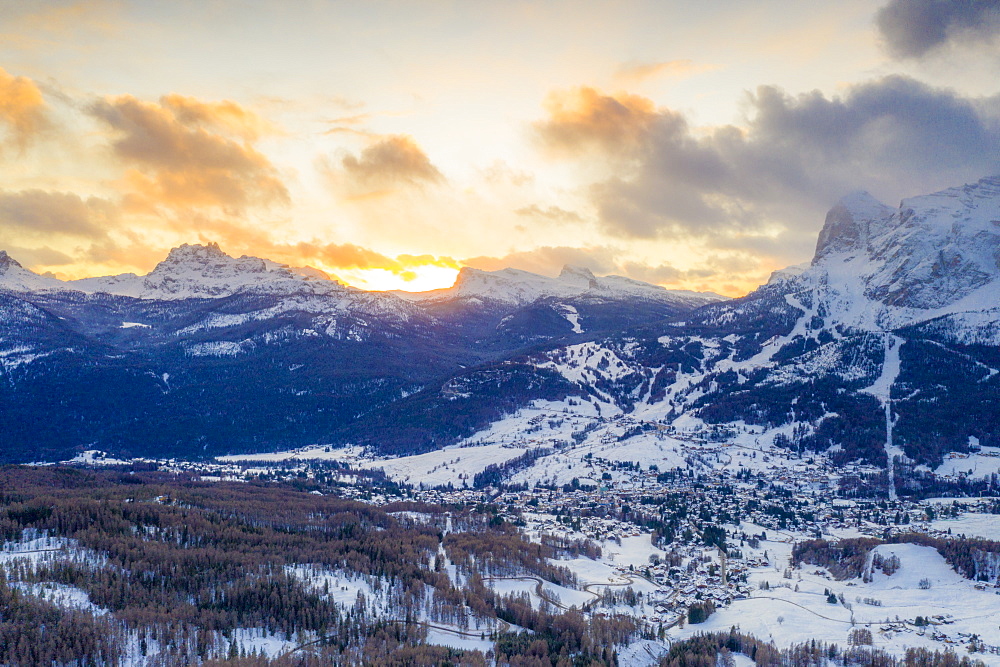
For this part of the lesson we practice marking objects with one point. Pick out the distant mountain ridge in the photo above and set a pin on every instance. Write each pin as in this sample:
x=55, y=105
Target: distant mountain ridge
x=209, y=352
x=521, y=287
x=189, y=271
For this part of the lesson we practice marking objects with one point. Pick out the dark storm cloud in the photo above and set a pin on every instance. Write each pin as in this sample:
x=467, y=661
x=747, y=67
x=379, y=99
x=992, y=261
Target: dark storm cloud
x=914, y=28
x=794, y=157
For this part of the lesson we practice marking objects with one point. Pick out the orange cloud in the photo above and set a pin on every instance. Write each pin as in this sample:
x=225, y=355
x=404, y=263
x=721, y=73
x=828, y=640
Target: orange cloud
x=344, y=256
x=41, y=213
x=584, y=118
x=387, y=166
x=188, y=153
x=225, y=115
x=22, y=108
x=341, y=256
x=428, y=260
x=391, y=161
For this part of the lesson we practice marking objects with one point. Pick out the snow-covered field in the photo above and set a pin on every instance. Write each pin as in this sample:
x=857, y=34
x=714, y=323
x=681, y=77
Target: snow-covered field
x=982, y=464
x=454, y=465
x=986, y=526
x=796, y=610
x=61, y=595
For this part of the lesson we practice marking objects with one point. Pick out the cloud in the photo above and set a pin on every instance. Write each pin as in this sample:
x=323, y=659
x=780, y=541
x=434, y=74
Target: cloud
x=915, y=28
x=344, y=256
x=42, y=213
x=22, y=109
x=783, y=169
x=583, y=119
x=389, y=163
x=663, y=273
x=549, y=260
x=225, y=115
x=187, y=153
x=550, y=214
x=349, y=257
x=633, y=73
x=41, y=256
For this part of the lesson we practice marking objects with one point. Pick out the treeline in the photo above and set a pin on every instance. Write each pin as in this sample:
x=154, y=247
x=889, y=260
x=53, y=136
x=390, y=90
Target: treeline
x=915, y=482
x=496, y=474
x=713, y=650
x=35, y=632
x=973, y=558
x=566, y=640
x=501, y=550
x=183, y=567
x=845, y=559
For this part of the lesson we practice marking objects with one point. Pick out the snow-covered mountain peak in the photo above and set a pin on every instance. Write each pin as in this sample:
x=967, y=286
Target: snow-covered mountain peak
x=195, y=252
x=15, y=277
x=876, y=268
x=578, y=275
x=208, y=261
x=506, y=285
x=848, y=225
x=192, y=271
x=517, y=287
x=6, y=261
x=787, y=273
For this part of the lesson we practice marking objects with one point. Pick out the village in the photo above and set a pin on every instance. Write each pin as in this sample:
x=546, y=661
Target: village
x=717, y=532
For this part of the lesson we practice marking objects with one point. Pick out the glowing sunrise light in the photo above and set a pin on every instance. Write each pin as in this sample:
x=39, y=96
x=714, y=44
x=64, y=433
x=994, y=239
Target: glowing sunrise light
x=411, y=279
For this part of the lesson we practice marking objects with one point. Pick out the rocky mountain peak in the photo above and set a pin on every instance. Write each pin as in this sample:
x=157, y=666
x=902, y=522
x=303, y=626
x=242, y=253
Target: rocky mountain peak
x=578, y=275
x=6, y=261
x=195, y=253
x=848, y=225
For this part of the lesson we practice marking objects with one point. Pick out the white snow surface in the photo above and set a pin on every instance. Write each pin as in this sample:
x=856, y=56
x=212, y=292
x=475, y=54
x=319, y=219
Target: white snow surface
x=453, y=465
x=643, y=653
x=514, y=286
x=61, y=595
x=986, y=526
x=977, y=465
x=786, y=616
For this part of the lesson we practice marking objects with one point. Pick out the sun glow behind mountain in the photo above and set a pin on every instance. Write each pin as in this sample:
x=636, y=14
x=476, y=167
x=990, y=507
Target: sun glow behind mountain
x=418, y=278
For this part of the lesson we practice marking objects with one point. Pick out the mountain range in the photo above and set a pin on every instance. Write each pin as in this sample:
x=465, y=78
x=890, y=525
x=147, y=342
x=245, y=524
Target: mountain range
x=885, y=347
x=209, y=353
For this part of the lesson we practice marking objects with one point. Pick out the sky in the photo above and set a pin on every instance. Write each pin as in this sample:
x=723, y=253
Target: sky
x=390, y=143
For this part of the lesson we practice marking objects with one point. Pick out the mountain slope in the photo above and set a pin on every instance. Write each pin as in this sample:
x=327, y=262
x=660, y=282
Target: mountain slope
x=210, y=354
x=884, y=346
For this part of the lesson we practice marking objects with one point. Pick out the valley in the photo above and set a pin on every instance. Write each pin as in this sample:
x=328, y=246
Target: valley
x=233, y=461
